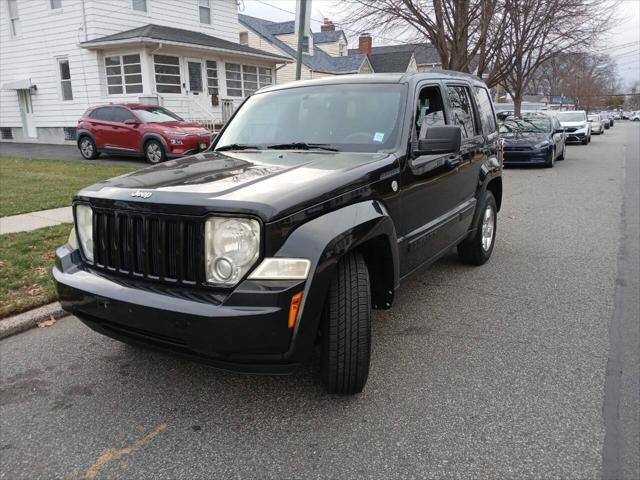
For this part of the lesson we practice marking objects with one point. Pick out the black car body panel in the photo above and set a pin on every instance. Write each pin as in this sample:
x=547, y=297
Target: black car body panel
x=400, y=209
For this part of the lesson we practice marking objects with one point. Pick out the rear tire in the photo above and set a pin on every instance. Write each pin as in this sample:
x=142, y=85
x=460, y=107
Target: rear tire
x=477, y=249
x=154, y=152
x=346, y=328
x=87, y=148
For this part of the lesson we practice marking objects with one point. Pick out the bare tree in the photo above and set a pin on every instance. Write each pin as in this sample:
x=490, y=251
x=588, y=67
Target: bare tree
x=508, y=40
x=466, y=33
x=591, y=80
x=540, y=29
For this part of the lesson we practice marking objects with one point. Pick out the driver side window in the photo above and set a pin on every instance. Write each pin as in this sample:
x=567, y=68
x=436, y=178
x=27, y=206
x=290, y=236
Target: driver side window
x=429, y=110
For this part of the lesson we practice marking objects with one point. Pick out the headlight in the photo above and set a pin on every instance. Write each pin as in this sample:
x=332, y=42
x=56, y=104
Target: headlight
x=232, y=246
x=282, y=269
x=84, y=226
x=73, y=240
x=542, y=144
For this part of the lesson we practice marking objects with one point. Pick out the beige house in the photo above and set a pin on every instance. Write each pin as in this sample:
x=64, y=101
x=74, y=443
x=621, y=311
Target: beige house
x=326, y=52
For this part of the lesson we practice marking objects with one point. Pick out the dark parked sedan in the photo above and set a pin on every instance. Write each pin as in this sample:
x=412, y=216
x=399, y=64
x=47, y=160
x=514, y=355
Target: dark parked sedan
x=533, y=139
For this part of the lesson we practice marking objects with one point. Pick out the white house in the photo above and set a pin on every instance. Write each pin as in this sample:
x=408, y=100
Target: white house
x=57, y=57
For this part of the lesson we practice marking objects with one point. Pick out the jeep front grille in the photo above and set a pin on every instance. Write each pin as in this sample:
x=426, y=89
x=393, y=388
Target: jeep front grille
x=156, y=247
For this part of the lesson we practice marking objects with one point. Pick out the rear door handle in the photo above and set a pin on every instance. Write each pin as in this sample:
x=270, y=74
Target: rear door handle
x=453, y=161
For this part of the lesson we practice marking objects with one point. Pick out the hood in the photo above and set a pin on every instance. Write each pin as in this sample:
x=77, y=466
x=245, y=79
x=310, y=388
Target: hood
x=268, y=184
x=573, y=124
x=524, y=138
x=187, y=127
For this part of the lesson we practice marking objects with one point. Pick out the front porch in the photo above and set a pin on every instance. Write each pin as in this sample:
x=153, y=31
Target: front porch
x=199, y=77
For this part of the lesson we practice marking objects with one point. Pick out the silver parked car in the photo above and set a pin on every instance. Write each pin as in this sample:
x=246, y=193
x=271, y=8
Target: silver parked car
x=597, y=123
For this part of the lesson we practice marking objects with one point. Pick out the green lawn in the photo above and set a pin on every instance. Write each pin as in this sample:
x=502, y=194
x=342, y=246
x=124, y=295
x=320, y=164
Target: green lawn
x=32, y=184
x=25, y=268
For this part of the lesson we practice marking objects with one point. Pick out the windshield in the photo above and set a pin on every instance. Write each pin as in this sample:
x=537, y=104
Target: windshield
x=595, y=118
x=352, y=117
x=526, y=125
x=156, y=114
x=570, y=116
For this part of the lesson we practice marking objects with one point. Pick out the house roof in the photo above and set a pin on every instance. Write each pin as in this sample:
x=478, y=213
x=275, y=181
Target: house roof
x=425, y=53
x=328, y=36
x=320, y=60
x=391, y=62
x=159, y=33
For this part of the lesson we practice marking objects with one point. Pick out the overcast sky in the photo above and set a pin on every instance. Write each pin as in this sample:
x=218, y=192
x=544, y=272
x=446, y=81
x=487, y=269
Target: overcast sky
x=623, y=43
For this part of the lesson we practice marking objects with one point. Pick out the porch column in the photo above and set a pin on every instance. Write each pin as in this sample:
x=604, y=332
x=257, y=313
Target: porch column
x=146, y=64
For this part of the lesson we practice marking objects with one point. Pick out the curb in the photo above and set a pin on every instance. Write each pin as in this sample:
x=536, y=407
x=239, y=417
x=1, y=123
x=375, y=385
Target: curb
x=24, y=321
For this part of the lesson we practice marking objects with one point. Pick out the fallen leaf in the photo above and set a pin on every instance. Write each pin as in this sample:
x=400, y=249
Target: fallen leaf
x=47, y=323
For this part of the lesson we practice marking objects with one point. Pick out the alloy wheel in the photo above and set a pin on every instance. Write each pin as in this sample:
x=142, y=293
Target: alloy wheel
x=154, y=154
x=86, y=147
x=488, y=226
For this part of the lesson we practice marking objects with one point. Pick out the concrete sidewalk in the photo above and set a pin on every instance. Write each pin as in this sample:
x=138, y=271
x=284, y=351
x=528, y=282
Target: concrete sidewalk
x=34, y=220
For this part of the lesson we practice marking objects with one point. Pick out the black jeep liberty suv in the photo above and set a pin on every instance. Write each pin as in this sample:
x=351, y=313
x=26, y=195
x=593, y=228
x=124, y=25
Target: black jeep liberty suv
x=312, y=205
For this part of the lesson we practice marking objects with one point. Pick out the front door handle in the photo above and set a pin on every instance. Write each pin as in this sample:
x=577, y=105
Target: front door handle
x=453, y=161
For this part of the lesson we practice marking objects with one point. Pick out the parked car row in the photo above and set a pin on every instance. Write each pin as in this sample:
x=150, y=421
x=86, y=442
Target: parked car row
x=541, y=137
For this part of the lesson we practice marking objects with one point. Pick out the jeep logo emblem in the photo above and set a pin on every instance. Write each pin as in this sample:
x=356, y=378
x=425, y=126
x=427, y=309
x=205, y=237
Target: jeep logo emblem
x=140, y=194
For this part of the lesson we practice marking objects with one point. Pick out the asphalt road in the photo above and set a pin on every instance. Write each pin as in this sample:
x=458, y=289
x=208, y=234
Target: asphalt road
x=60, y=152
x=499, y=372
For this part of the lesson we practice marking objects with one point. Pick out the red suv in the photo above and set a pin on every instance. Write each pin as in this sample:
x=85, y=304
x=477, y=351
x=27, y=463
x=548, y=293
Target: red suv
x=141, y=130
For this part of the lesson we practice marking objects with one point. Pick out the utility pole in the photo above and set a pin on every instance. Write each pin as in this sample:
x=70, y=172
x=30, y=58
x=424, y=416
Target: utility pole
x=302, y=15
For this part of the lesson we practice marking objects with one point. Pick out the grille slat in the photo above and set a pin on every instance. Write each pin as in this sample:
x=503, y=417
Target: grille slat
x=158, y=247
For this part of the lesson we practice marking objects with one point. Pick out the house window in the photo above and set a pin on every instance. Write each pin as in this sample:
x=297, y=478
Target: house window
x=244, y=38
x=55, y=4
x=264, y=77
x=124, y=74
x=139, y=5
x=204, y=7
x=65, y=79
x=14, y=18
x=212, y=77
x=305, y=44
x=167, y=73
x=243, y=80
x=342, y=49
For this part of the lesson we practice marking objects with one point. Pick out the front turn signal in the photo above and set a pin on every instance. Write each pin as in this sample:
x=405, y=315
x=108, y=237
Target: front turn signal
x=294, y=308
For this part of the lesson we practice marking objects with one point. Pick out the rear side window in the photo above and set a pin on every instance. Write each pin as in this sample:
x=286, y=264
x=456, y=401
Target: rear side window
x=120, y=115
x=462, y=110
x=485, y=110
x=103, y=113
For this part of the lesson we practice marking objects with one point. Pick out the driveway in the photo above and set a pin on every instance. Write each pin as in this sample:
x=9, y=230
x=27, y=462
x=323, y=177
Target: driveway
x=58, y=152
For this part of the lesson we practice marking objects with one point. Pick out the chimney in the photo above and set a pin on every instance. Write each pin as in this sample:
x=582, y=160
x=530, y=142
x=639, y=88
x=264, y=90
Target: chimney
x=327, y=26
x=364, y=44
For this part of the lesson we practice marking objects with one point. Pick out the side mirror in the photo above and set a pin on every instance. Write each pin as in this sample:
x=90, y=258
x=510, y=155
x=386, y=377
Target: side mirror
x=132, y=121
x=440, y=140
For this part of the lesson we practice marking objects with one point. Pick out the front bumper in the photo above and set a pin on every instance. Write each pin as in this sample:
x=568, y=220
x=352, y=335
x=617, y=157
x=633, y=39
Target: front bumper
x=244, y=330
x=190, y=145
x=576, y=136
x=531, y=157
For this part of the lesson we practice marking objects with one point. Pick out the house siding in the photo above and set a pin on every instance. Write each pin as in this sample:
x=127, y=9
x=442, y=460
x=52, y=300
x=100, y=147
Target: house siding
x=48, y=34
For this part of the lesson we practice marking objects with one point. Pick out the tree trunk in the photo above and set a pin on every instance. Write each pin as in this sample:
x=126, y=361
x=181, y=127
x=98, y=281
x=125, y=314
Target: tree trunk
x=517, y=101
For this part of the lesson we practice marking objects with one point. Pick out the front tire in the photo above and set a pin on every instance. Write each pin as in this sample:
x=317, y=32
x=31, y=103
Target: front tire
x=346, y=328
x=88, y=148
x=552, y=159
x=477, y=249
x=154, y=152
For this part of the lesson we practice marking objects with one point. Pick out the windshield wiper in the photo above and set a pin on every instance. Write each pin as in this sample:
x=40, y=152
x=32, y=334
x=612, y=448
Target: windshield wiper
x=237, y=146
x=303, y=146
